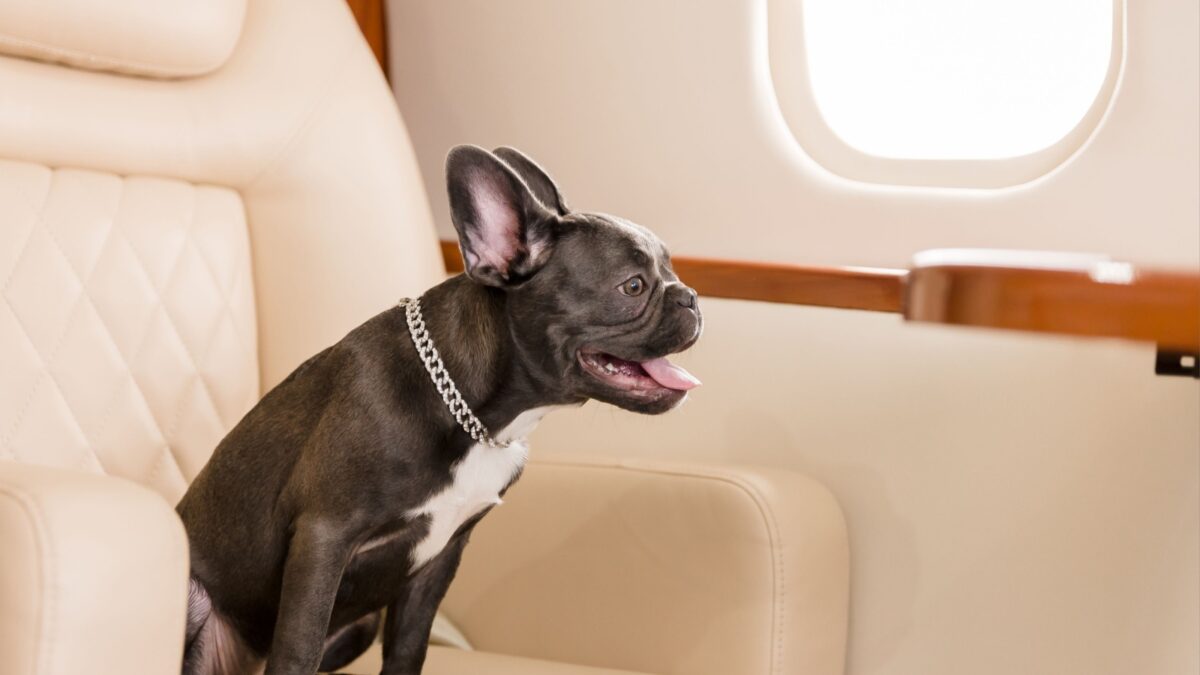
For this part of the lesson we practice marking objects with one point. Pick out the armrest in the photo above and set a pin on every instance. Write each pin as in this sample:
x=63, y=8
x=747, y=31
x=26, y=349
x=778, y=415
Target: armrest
x=662, y=568
x=93, y=575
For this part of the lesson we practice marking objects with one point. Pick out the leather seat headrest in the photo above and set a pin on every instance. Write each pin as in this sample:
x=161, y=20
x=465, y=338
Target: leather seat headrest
x=152, y=38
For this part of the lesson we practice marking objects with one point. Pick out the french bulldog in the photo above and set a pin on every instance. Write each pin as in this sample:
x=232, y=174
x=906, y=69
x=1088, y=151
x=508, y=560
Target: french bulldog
x=355, y=483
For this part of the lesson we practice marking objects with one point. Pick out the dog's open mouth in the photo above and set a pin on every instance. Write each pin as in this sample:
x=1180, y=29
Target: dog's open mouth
x=637, y=376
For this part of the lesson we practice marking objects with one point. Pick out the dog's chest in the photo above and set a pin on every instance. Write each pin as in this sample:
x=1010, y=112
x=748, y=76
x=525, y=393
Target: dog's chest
x=475, y=484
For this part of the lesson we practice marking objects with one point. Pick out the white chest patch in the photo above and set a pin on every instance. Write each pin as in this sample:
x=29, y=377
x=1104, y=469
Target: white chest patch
x=475, y=484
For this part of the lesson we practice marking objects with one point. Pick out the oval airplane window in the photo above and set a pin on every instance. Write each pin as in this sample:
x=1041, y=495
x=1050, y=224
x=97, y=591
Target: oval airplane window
x=943, y=92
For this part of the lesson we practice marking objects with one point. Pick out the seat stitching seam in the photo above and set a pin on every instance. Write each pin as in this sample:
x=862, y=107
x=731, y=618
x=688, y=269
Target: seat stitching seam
x=48, y=359
x=46, y=364
x=102, y=63
x=169, y=429
x=159, y=292
x=207, y=343
x=311, y=114
x=145, y=339
x=43, y=654
x=226, y=313
x=157, y=467
x=109, y=412
x=37, y=219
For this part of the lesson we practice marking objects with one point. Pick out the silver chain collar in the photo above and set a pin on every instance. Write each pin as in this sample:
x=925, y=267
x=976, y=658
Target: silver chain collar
x=441, y=379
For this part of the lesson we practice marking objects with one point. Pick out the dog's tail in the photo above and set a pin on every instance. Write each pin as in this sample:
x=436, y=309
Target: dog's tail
x=211, y=645
x=198, y=611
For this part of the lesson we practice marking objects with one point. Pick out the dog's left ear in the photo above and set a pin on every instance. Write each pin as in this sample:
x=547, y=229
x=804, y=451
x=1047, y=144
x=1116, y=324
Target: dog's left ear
x=504, y=231
x=536, y=178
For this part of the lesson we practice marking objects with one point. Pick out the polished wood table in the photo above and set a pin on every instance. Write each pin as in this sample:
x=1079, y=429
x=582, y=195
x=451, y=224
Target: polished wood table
x=1072, y=294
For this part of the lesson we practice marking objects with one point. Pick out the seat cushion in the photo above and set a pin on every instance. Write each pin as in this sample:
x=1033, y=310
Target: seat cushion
x=448, y=661
x=663, y=567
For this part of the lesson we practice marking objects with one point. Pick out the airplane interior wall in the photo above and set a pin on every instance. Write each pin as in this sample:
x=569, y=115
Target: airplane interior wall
x=1015, y=503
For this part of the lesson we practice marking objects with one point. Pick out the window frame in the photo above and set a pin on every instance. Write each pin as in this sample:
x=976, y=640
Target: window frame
x=789, y=79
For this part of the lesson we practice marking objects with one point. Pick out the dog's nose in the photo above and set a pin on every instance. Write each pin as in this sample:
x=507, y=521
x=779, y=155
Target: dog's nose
x=687, y=298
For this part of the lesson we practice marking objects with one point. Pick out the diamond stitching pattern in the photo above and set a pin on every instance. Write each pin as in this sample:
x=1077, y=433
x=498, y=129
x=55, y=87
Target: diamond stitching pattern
x=127, y=332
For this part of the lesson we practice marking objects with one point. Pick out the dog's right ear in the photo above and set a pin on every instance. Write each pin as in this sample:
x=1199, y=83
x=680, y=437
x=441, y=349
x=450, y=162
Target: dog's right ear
x=505, y=232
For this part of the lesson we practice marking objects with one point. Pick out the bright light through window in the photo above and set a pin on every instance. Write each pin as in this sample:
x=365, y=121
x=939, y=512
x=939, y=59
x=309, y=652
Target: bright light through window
x=956, y=79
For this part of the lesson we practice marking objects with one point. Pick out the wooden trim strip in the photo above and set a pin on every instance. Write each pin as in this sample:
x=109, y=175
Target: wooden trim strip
x=876, y=290
x=1150, y=305
x=370, y=15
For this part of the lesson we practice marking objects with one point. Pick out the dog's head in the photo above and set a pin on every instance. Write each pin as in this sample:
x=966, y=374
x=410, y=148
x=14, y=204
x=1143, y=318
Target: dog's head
x=593, y=305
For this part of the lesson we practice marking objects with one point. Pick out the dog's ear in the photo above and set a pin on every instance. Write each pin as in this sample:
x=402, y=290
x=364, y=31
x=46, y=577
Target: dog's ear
x=536, y=178
x=505, y=232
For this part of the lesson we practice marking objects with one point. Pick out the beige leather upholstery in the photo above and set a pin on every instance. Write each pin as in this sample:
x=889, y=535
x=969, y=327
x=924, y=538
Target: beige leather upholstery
x=164, y=38
x=652, y=567
x=447, y=661
x=171, y=249
x=173, y=244
x=127, y=333
x=667, y=568
x=93, y=572
x=168, y=250
x=303, y=128
x=444, y=661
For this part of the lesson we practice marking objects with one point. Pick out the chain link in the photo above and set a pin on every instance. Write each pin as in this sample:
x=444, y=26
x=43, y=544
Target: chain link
x=441, y=378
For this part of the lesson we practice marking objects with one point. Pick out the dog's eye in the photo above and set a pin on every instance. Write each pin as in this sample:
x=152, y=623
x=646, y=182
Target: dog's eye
x=633, y=286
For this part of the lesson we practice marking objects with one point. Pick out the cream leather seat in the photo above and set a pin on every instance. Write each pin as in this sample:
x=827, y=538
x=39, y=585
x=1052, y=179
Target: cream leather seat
x=194, y=197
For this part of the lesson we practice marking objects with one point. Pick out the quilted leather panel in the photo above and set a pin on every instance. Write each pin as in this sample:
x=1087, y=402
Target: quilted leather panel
x=127, y=325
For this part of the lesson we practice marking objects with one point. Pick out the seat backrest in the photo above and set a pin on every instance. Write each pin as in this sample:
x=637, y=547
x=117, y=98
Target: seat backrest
x=194, y=197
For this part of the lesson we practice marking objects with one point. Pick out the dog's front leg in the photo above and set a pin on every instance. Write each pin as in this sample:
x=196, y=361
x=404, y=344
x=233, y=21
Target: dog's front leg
x=410, y=617
x=317, y=556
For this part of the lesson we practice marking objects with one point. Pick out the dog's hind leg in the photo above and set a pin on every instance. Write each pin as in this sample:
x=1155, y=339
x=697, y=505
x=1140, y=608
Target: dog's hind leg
x=349, y=642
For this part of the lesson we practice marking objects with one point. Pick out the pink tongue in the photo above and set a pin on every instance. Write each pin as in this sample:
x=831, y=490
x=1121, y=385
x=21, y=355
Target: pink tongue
x=670, y=375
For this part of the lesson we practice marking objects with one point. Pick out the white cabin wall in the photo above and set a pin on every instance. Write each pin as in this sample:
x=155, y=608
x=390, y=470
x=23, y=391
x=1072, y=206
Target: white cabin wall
x=1016, y=503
